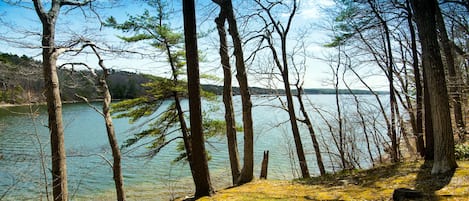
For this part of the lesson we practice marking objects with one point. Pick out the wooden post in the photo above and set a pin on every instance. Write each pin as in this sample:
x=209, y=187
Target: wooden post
x=265, y=163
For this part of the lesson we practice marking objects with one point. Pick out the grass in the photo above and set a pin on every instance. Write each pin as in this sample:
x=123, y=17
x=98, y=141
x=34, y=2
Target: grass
x=374, y=184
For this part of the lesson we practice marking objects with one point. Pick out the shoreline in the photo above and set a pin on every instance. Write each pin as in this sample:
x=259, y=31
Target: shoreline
x=7, y=105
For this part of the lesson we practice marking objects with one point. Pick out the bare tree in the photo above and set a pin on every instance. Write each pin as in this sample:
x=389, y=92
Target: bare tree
x=106, y=113
x=246, y=174
x=307, y=120
x=418, y=83
x=227, y=96
x=50, y=53
x=281, y=62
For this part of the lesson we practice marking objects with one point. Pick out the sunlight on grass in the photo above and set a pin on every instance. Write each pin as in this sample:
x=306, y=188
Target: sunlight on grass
x=374, y=184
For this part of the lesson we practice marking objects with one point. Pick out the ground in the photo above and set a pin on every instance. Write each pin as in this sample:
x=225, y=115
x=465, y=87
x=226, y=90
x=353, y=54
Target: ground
x=375, y=184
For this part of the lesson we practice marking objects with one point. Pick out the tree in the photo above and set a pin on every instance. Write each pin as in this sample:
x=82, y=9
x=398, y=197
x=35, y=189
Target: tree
x=453, y=74
x=116, y=154
x=50, y=53
x=309, y=124
x=420, y=144
x=201, y=175
x=444, y=159
x=281, y=62
x=378, y=26
x=299, y=68
x=227, y=97
x=390, y=72
x=106, y=113
x=155, y=30
x=246, y=174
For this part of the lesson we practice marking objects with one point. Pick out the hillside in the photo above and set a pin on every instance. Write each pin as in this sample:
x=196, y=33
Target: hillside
x=21, y=82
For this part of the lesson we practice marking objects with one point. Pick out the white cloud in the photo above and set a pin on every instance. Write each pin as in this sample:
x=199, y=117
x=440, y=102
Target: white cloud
x=312, y=9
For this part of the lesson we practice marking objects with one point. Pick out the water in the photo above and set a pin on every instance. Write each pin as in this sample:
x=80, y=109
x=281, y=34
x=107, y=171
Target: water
x=22, y=136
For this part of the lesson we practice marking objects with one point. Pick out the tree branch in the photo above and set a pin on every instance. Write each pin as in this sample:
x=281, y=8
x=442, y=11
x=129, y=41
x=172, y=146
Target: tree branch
x=75, y=3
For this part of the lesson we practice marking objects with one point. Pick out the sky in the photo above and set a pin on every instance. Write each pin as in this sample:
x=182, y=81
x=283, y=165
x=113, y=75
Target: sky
x=20, y=23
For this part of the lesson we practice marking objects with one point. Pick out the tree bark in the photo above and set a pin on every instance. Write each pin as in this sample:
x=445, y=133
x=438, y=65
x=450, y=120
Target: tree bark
x=227, y=98
x=444, y=159
x=201, y=175
x=429, y=140
x=453, y=76
x=54, y=102
x=247, y=172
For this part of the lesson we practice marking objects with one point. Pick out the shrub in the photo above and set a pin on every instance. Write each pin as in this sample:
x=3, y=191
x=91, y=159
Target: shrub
x=462, y=151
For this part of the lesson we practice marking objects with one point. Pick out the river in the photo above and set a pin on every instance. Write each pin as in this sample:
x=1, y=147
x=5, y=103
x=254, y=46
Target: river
x=24, y=136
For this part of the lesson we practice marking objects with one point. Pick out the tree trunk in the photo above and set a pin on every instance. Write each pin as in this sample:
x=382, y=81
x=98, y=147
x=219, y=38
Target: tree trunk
x=341, y=145
x=111, y=134
x=444, y=159
x=116, y=154
x=227, y=98
x=186, y=137
x=57, y=141
x=418, y=84
x=265, y=165
x=54, y=102
x=292, y=115
x=247, y=173
x=453, y=77
x=201, y=175
x=309, y=124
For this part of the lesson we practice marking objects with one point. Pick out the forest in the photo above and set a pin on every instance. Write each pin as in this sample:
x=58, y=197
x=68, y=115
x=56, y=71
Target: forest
x=396, y=88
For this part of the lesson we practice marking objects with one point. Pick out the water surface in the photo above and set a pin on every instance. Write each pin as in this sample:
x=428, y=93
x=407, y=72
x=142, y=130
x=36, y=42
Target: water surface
x=24, y=137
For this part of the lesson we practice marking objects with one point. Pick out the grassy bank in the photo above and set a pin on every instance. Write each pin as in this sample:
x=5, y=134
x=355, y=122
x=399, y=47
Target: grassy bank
x=375, y=184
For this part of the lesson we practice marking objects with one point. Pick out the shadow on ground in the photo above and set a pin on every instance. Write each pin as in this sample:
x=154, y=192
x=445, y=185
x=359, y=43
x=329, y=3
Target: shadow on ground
x=428, y=184
x=365, y=178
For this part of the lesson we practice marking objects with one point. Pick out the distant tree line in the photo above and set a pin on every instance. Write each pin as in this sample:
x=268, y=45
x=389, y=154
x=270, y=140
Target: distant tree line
x=20, y=82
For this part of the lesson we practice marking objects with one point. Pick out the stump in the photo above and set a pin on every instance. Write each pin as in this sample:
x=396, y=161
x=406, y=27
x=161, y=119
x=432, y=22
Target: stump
x=265, y=163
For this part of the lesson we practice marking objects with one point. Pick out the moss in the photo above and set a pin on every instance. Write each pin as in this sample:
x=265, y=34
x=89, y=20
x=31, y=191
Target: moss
x=375, y=184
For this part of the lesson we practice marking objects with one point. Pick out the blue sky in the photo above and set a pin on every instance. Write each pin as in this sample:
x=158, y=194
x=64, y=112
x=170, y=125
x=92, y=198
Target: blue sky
x=72, y=23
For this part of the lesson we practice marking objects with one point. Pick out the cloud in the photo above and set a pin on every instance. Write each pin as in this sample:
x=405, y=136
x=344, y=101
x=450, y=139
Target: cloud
x=312, y=9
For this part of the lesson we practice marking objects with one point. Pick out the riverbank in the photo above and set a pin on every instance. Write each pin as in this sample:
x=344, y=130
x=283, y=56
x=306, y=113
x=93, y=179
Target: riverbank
x=374, y=184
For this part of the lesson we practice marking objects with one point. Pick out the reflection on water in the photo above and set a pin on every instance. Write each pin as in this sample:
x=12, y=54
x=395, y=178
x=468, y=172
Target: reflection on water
x=90, y=176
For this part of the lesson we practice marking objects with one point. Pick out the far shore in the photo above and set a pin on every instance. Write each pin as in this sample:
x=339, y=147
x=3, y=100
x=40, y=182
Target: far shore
x=5, y=105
